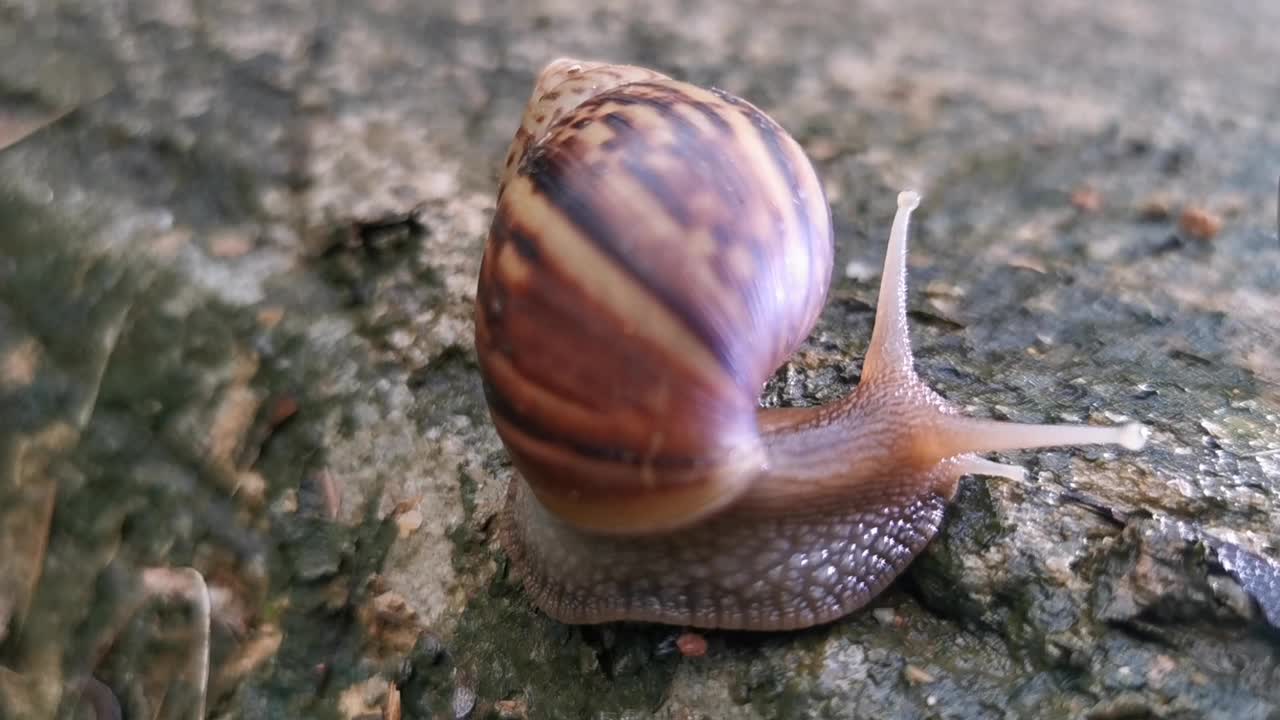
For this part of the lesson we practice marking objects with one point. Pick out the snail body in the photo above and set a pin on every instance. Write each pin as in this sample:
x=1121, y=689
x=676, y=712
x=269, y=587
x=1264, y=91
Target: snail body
x=658, y=250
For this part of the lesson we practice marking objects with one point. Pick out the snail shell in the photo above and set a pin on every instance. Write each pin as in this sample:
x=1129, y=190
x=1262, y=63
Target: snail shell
x=658, y=250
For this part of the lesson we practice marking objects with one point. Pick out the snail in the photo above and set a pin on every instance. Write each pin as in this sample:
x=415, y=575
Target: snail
x=657, y=251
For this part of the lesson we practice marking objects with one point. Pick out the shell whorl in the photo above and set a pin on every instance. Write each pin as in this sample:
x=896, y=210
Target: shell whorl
x=561, y=86
x=657, y=251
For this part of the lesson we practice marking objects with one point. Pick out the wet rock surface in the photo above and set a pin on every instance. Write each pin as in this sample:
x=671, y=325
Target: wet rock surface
x=238, y=249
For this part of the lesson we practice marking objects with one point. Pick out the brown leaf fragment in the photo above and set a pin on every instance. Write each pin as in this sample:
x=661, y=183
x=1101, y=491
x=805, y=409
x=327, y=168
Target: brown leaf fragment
x=391, y=709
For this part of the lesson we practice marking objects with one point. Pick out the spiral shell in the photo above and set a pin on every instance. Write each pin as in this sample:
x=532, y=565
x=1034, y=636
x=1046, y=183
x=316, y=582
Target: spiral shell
x=657, y=251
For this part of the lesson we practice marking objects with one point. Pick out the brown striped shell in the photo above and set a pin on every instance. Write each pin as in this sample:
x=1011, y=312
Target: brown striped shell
x=657, y=251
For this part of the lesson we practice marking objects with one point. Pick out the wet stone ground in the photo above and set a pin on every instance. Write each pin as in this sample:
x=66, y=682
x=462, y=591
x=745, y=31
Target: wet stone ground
x=241, y=424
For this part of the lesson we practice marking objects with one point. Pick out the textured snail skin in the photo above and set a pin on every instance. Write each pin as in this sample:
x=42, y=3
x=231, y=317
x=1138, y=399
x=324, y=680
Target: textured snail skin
x=657, y=251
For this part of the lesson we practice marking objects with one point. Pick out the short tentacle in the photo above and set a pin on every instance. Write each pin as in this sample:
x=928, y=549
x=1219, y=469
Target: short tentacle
x=974, y=465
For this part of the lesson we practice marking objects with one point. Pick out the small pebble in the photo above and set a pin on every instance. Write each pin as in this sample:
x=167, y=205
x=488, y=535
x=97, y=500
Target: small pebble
x=1086, y=199
x=511, y=709
x=1200, y=223
x=229, y=244
x=1155, y=208
x=463, y=702
x=885, y=615
x=916, y=675
x=407, y=523
x=692, y=644
x=269, y=317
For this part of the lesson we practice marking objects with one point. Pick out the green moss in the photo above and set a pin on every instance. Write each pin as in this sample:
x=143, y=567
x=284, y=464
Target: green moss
x=503, y=649
x=140, y=482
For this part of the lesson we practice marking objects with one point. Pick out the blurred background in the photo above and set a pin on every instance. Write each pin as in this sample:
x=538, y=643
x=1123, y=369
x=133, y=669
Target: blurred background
x=246, y=469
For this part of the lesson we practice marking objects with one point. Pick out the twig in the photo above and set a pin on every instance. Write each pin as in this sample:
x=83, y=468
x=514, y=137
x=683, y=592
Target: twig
x=15, y=129
x=189, y=585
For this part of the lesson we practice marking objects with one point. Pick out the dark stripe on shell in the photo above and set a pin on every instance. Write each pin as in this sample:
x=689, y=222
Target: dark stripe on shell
x=673, y=95
x=635, y=161
x=504, y=233
x=713, y=115
x=525, y=244
x=771, y=136
x=690, y=140
x=528, y=425
x=565, y=181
